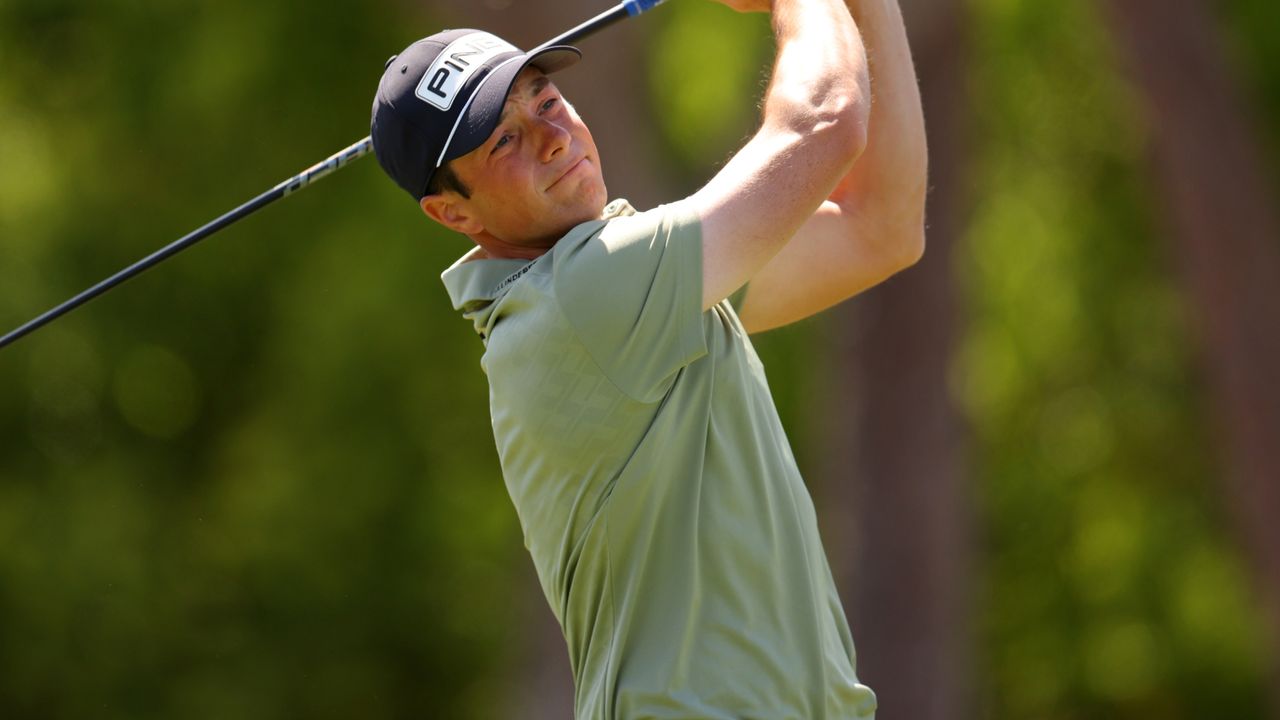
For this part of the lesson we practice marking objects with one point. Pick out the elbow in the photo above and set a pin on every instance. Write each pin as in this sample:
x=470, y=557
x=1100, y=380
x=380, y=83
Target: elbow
x=853, y=139
x=911, y=227
x=911, y=249
x=903, y=242
x=823, y=95
x=849, y=111
x=829, y=118
x=841, y=119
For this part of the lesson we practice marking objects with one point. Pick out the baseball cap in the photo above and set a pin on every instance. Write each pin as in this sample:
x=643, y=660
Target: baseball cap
x=442, y=97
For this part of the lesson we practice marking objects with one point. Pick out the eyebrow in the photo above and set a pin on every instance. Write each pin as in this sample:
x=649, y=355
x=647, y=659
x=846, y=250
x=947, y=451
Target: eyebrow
x=532, y=89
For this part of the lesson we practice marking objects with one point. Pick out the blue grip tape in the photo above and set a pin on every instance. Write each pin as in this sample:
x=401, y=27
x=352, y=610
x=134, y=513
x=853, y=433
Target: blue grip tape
x=635, y=7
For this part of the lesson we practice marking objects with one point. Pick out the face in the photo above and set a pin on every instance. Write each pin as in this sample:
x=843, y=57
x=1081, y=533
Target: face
x=532, y=180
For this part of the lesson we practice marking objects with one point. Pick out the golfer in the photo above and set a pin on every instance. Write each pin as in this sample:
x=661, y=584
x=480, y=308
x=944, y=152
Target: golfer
x=670, y=528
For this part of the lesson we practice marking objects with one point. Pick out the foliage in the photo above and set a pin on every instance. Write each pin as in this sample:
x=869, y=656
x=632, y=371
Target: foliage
x=256, y=482
x=1113, y=588
x=259, y=482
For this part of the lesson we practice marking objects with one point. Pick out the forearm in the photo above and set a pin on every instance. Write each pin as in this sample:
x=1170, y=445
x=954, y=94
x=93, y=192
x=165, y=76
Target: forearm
x=820, y=77
x=875, y=225
x=813, y=130
x=892, y=173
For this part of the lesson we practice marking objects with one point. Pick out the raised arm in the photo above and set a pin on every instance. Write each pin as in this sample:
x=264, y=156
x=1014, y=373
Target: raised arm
x=873, y=224
x=813, y=130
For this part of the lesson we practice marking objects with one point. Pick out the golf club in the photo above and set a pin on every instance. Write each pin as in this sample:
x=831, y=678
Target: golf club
x=338, y=160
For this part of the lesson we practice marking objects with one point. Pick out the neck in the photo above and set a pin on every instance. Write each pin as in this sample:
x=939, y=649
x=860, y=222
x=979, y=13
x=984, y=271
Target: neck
x=499, y=249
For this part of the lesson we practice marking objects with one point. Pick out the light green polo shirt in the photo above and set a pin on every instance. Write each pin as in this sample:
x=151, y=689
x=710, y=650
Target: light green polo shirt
x=666, y=517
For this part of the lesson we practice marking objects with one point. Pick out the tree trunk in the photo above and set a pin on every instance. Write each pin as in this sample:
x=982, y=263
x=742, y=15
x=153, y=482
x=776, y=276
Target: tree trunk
x=1220, y=209
x=895, y=466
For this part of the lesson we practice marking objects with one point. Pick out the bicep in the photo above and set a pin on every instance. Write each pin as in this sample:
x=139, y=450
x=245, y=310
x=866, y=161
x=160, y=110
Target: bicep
x=836, y=254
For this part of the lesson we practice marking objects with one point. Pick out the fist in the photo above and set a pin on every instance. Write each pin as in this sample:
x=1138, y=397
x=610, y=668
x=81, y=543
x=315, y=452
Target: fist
x=745, y=6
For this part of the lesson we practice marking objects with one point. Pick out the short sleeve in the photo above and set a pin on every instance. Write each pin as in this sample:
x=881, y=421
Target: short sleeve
x=633, y=294
x=737, y=297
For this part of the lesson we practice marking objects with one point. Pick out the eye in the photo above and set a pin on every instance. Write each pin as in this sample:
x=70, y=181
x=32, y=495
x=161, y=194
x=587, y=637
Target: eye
x=506, y=138
x=548, y=104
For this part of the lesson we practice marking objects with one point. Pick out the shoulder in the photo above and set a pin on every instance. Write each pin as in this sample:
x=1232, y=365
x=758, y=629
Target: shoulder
x=624, y=236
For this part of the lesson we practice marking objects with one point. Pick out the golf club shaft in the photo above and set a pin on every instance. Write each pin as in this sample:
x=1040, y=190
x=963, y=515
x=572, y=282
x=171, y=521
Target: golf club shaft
x=298, y=182
x=285, y=188
x=603, y=20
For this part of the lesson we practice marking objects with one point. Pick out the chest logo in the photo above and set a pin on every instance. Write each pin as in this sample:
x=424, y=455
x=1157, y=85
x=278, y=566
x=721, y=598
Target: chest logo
x=456, y=64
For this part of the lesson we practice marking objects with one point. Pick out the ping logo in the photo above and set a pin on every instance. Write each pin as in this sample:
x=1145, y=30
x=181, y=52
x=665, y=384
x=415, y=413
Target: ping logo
x=456, y=64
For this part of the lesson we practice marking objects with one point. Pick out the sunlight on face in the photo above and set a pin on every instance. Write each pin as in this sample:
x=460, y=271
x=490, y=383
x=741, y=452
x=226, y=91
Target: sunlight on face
x=539, y=173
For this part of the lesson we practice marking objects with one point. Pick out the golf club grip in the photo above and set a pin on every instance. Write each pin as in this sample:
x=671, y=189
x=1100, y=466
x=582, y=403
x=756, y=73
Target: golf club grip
x=337, y=161
x=635, y=7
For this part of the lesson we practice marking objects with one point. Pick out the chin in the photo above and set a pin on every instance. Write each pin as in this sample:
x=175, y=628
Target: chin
x=587, y=202
x=584, y=205
x=592, y=207
x=598, y=197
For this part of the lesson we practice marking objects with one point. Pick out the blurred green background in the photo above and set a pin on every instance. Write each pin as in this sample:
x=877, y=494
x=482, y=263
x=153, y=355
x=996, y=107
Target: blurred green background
x=259, y=482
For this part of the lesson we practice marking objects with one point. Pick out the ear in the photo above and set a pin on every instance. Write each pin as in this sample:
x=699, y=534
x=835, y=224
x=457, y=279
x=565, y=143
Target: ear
x=452, y=212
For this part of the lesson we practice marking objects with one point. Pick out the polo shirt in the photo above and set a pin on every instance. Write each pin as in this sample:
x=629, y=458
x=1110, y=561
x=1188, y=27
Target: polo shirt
x=667, y=520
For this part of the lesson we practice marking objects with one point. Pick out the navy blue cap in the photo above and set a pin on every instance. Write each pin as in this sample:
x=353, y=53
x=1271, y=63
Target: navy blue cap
x=442, y=97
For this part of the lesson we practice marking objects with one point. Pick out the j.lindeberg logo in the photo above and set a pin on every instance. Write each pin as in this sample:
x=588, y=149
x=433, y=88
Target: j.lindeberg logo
x=456, y=64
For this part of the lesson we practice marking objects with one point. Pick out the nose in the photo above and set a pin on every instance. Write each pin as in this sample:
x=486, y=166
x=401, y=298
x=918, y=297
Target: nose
x=553, y=139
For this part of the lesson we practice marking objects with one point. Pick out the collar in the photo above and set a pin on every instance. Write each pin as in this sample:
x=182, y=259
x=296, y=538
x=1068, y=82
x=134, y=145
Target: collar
x=474, y=283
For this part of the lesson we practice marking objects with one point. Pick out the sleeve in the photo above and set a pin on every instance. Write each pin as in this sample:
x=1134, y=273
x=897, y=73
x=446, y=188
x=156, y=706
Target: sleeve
x=737, y=297
x=633, y=295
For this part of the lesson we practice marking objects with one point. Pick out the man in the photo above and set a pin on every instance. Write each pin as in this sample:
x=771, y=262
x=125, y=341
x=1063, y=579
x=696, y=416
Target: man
x=670, y=528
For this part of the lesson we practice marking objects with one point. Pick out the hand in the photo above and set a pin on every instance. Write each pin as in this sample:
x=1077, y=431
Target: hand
x=745, y=6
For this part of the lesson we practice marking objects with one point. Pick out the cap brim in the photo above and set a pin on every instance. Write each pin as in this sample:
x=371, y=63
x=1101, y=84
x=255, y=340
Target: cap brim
x=481, y=116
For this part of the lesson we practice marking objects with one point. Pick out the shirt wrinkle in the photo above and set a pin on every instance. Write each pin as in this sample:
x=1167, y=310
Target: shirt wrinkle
x=660, y=502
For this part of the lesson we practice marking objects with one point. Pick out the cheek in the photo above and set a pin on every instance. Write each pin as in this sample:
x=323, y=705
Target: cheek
x=590, y=143
x=580, y=128
x=515, y=205
x=509, y=187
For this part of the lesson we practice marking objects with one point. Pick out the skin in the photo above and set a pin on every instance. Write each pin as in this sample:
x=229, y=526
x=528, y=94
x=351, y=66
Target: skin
x=536, y=176
x=873, y=224
x=812, y=132
x=826, y=200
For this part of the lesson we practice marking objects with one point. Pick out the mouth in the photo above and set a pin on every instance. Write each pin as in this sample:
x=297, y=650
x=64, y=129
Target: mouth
x=571, y=170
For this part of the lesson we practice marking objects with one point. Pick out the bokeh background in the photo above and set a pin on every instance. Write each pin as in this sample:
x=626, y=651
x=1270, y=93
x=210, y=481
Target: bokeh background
x=259, y=482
